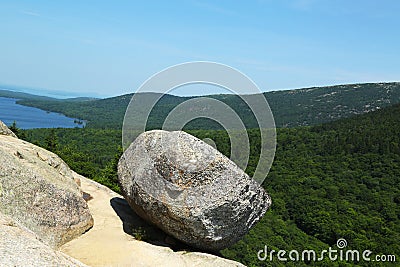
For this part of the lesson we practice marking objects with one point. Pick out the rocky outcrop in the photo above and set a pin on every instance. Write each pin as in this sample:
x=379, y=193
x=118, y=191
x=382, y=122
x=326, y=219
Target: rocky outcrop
x=5, y=131
x=20, y=247
x=190, y=190
x=37, y=189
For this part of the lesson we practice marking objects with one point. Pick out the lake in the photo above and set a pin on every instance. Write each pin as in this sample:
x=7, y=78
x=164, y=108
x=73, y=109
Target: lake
x=29, y=117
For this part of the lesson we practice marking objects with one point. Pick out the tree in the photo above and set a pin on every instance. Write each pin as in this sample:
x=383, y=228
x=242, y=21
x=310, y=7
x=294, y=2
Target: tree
x=17, y=131
x=51, y=142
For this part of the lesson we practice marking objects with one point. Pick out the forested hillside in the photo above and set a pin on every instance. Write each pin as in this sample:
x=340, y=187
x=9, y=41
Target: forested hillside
x=337, y=180
x=330, y=181
x=291, y=108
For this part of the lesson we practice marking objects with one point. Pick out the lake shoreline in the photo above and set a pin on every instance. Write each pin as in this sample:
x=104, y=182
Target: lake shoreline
x=27, y=117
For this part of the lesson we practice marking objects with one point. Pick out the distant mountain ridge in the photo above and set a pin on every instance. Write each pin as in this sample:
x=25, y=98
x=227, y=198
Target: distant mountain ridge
x=291, y=108
x=58, y=94
x=310, y=106
x=22, y=95
x=28, y=96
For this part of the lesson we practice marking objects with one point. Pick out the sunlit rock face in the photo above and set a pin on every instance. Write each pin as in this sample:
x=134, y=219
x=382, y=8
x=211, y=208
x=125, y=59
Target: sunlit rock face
x=38, y=190
x=190, y=190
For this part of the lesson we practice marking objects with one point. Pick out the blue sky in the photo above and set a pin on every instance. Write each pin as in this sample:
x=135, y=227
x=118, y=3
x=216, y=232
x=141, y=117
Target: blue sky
x=109, y=48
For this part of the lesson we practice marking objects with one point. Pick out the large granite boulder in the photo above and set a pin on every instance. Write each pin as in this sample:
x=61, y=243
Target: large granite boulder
x=190, y=190
x=38, y=190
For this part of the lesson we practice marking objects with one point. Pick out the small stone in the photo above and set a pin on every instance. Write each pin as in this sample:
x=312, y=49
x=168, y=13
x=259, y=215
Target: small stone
x=77, y=181
x=19, y=155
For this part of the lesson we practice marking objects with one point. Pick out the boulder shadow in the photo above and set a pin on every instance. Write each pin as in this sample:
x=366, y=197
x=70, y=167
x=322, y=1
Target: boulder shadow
x=142, y=230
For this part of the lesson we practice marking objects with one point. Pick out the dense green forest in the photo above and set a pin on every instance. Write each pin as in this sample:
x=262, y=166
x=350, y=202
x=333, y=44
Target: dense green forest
x=335, y=180
x=291, y=108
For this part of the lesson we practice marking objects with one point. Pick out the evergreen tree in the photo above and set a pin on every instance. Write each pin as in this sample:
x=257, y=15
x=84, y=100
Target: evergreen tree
x=51, y=141
x=17, y=131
